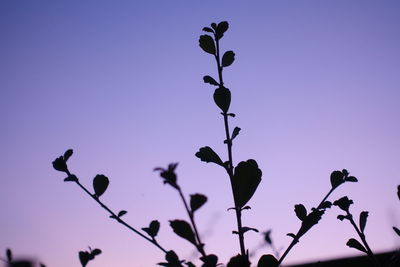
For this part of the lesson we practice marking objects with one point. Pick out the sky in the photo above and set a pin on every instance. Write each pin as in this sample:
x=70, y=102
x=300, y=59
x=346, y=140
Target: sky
x=315, y=88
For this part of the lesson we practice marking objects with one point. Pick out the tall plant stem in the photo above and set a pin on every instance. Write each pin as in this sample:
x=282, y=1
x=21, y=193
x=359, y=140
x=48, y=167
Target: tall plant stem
x=118, y=219
x=362, y=236
x=230, y=157
x=200, y=245
x=296, y=239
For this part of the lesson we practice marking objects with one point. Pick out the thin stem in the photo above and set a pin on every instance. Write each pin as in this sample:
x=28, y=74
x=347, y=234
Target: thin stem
x=200, y=245
x=362, y=236
x=296, y=239
x=230, y=157
x=118, y=219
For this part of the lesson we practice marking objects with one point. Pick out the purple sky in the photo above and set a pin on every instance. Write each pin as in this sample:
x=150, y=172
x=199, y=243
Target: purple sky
x=315, y=87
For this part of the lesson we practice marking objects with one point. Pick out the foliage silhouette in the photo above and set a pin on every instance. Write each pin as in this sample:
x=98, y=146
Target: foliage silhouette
x=244, y=180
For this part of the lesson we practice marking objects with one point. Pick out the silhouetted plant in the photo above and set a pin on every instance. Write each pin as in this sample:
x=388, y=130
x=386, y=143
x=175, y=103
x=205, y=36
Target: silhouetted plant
x=244, y=179
x=11, y=262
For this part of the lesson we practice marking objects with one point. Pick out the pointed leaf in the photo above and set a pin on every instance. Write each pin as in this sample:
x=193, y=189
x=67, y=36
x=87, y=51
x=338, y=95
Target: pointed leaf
x=207, y=154
x=9, y=255
x=183, y=229
x=326, y=205
x=222, y=98
x=363, y=220
x=396, y=230
x=122, y=213
x=246, y=229
x=210, y=80
x=235, y=132
x=353, y=243
x=207, y=29
x=336, y=178
x=68, y=154
x=71, y=178
x=206, y=43
x=245, y=181
x=96, y=252
x=228, y=58
x=100, y=184
x=351, y=179
x=300, y=211
x=221, y=29
x=267, y=261
x=291, y=235
x=196, y=201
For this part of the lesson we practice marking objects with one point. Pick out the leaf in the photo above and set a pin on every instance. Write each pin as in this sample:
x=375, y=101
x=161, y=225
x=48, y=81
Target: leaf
x=84, y=257
x=122, y=213
x=228, y=58
x=396, y=230
x=398, y=191
x=221, y=29
x=207, y=29
x=207, y=154
x=291, y=235
x=9, y=255
x=206, y=43
x=326, y=205
x=301, y=211
x=336, y=178
x=209, y=260
x=100, y=184
x=267, y=261
x=246, y=178
x=342, y=217
x=351, y=179
x=196, y=201
x=353, y=243
x=68, y=154
x=222, y=98
x=96, y=252
x=235, y=132
x=363, y=220
x=267, y=237
x=153, y=228
x=239, y=261
x=71, y=178
x=210, y=80
x=246, y=229
x=183, y=229
x=59, y=164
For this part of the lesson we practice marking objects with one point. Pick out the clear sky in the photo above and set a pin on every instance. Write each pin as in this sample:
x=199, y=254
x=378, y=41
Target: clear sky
x=315, y=86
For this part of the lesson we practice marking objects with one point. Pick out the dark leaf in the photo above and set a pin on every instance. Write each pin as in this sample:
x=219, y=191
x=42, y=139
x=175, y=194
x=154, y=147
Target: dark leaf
x=96, y=252
x=60, y=165
x=122, y=213
x=228, y=58
x=353, y=243
x=196, y=201
x=221, y=29
x=209, y=261
x=84, y=257
x=291, y=235
x=207, y=29
x=245, y=181
x=363, y=220
x=235, y=132
x=71, y=178
x=312, y=219
x=172, y=258
x=207, y=154
x=326, y=205
x=336, y=178
x=239, y=261
x=396, y=230
x=153, y=228
x=300, y=211
x=169, y=174
x=190, y=264
x=343, y=203
x=214, y=26
x=42, y=265
x=246, y=229
x=184, y=230
x=342, y=217
x=267, y=261
x=206, y=43
x=9, y=255
x=398, y=191
x=68, y=154
x=210, y=80
x=100, y=184
x=113, y=217
x=267, y=237
x=222, y=98
x=345, y=172
x=351, y=179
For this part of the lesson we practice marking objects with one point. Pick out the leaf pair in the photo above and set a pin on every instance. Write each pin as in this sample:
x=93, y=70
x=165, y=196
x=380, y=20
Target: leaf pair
x=86, y=256
x=153, y=228
x=339, y=177
x=60, y=163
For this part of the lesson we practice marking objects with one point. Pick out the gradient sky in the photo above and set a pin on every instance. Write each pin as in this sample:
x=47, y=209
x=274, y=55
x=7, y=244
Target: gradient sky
x=315, y=87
